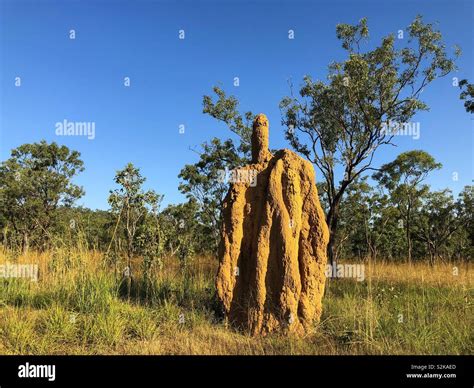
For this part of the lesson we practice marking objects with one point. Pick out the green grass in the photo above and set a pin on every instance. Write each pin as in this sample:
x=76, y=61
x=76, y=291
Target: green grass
x=399, y=318
x=81, y=313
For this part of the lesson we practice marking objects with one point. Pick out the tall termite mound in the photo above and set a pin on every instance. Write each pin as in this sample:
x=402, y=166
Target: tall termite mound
x=272, y=255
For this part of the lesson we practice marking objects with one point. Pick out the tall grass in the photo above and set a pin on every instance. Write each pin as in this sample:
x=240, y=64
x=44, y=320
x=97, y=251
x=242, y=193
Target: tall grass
x=75, y=308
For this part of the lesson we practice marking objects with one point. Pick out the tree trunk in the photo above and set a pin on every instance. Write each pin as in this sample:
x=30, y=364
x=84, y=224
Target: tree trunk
x=432, y=259
x=332, y=222
x=26, y=243
x=408, y=232
x=409, y=259
x=331, y=251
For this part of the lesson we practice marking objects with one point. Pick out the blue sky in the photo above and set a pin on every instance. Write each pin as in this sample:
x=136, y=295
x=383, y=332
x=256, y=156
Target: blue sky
x=83, y=79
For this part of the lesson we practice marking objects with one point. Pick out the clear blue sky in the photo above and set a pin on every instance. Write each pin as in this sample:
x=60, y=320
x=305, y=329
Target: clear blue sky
x=82, y=79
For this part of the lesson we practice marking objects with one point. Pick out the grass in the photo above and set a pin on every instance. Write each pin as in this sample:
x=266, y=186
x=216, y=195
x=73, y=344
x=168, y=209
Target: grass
x=75, y=308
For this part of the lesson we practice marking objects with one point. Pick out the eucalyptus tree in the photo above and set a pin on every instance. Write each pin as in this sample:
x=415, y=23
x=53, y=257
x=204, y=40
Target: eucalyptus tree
x=340, y=123
x=403, y=179
x=34, y=183
x=131, y=204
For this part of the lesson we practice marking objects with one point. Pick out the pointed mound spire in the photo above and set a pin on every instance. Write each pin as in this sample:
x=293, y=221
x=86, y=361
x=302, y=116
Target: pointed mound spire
x=260, y=152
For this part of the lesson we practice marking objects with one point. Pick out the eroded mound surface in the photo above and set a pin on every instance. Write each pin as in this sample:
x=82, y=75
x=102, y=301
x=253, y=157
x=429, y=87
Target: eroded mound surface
x=273, y=248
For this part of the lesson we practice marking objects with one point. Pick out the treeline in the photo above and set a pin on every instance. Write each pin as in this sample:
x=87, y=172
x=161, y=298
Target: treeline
x=37, y=211
x=391, y=225
x=396, y=218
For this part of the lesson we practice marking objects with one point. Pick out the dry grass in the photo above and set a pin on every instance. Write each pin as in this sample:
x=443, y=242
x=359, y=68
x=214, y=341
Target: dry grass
x=74, y=308
x=455, y=274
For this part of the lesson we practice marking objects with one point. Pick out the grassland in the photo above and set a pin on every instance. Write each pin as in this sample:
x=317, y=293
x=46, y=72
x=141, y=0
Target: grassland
x=75, y=308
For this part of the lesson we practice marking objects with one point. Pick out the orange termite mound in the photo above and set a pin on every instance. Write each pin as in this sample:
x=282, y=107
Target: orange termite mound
x=272, y=255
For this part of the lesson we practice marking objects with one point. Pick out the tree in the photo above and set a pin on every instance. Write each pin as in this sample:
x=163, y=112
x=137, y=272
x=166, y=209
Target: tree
x=463, y=237
x=403, y=178
x=34, y=182
x=131, y=204
x=368, y=225
x=79, y=226
x=436, y=222
x=225, y=110
x=338, y=125
x=467, y=94
x=150, y=241
x=205, y=181
x=351, y=236
x=185, y=233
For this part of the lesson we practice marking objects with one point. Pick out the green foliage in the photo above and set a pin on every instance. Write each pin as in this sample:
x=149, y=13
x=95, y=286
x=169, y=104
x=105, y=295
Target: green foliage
x=369, y=225
x=34, y=183
x=439, y=218
x=409, y=169
x=83, y=226
x=343, y=121
x=467, y=94
x=403, y=178
x=402, y=216
x=225, y=109
x=372, y=226
x=205, y=181
x=185, y=232
x=137, y=216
